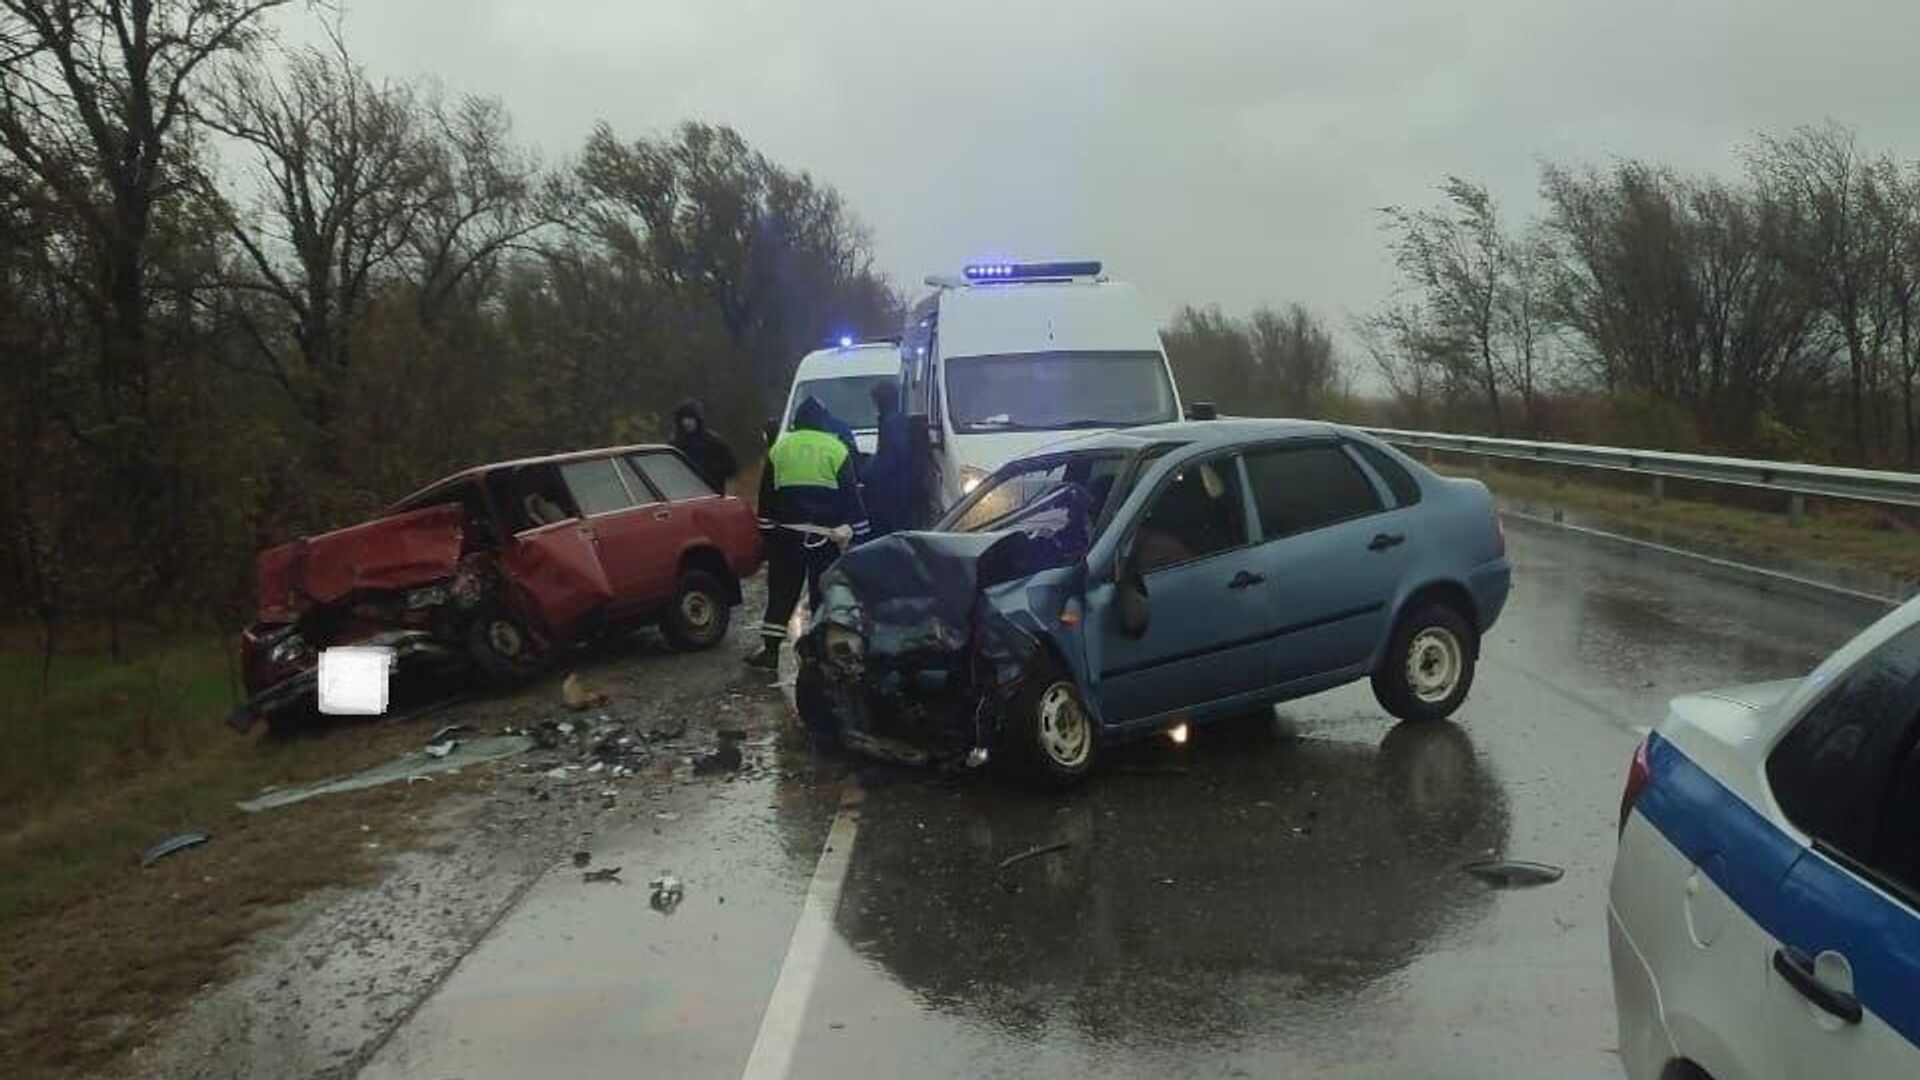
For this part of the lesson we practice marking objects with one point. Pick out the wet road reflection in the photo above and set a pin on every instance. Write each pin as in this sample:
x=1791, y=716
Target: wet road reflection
x=1189, y=907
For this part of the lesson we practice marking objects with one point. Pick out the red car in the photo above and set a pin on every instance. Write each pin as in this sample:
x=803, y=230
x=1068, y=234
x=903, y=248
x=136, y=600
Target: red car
x=500, y=565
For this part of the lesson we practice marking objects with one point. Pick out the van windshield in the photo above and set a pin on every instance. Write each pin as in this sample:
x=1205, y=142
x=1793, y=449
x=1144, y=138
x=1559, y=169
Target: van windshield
x=1057, y=391
x=849, y=398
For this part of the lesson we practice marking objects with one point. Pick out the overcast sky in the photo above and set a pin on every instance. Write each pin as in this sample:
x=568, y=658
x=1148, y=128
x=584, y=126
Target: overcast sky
x=1208, y=151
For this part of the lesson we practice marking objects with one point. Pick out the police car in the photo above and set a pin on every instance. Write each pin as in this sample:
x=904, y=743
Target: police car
x=843, y=378
x=1764, y=914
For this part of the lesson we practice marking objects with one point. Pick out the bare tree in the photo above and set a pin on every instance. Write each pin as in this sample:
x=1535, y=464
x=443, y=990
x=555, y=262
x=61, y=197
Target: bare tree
x=1457, y=259
x=485, y=199
x=346, y=178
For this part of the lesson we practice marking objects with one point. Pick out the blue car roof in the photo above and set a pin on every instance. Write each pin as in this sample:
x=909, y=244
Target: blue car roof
x=1203, y=433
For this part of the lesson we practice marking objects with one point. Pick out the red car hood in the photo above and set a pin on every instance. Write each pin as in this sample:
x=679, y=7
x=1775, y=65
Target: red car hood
x=394, y=552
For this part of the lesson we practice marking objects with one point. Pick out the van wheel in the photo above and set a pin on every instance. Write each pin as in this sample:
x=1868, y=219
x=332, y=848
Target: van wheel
x=699, y=614
x=1047, y=737
x=502, y=649
x=1428, y=666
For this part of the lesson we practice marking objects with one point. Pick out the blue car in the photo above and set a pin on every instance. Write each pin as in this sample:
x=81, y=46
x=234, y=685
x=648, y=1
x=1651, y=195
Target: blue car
x=1129, y=582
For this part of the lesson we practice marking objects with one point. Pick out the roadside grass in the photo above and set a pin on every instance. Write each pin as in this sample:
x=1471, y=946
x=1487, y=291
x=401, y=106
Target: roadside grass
x=1855, y=535
x=107, y=760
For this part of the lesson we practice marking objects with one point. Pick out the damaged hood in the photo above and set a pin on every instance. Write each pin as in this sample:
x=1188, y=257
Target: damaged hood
x=417, y=547
x=916, y=591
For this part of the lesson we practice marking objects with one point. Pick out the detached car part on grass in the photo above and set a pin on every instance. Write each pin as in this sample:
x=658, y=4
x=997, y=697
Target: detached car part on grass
x=1129, y=583
x=499, y=566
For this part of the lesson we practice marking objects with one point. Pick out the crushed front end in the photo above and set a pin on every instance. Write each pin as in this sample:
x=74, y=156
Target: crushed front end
x=921, y=638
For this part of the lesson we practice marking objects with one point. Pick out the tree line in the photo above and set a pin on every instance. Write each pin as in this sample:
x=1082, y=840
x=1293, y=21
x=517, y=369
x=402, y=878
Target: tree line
x=1774, y=314
x=249, y=292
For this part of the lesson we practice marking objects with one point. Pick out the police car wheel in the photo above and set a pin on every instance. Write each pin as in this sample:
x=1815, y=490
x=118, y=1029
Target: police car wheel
x=699, y=614
x=1048, y=736
x=1428, y=666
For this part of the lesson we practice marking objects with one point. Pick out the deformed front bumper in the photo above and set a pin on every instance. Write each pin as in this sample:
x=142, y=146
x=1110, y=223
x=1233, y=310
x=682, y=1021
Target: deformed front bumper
x=300, y=687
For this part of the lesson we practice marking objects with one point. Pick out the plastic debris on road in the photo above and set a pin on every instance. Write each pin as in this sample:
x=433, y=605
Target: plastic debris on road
x=172, y=844
x=667, y=893
x=607, y=874
x=1513, y=873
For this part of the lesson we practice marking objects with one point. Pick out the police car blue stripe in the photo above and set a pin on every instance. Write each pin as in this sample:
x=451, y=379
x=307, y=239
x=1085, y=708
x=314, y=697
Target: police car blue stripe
x=1700, y=816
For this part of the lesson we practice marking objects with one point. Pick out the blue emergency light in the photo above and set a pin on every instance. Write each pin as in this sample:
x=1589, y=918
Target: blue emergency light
x=846, y=342
x=1042, y=271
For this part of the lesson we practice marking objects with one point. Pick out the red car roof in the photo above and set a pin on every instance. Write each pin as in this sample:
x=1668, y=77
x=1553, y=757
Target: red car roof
x=477, y=471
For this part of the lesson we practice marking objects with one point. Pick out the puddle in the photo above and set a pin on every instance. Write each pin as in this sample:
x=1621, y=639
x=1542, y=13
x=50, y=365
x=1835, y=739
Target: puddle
x=419, y=763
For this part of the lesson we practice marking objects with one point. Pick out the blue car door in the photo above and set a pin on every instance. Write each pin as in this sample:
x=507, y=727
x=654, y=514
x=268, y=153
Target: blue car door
x=1209, y=615
x=1333, y=553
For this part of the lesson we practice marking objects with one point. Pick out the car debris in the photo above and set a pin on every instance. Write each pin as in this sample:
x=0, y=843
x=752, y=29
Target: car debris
x=172, y=844
x=1033, y=853
x=447, y=733
x=582, y=858
x=667, y=893
x=440, y=749
x=606, y=874
x=1513, y=873
x=404, y=769
x=724, y=758
x=575, y=695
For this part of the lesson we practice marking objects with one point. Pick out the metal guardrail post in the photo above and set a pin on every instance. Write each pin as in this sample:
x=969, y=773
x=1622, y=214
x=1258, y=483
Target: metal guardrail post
x=1796, y=510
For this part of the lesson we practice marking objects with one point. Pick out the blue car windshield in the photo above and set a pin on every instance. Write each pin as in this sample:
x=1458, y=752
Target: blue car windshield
x=1026, y=487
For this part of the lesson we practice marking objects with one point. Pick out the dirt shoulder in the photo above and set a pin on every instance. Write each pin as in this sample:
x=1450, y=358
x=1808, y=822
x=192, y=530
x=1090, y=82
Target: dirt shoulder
x=298, y=937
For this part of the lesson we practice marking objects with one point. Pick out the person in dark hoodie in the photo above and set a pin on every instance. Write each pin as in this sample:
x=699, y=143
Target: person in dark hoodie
x=808, y=492
x=709, y=455
x=888, y=475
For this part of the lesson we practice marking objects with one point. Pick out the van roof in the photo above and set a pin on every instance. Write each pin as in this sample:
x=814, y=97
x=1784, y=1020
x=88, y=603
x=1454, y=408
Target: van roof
x=867, y=358
x=1044, y=316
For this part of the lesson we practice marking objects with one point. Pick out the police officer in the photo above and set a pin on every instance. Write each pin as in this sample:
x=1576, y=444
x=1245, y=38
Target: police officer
x=808, y=491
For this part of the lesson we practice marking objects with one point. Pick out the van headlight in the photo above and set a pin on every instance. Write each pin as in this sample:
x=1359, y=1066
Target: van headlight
x=971, y=478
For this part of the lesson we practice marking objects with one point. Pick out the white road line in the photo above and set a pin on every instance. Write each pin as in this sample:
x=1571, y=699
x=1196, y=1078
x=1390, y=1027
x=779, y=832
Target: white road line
x=780, y=1026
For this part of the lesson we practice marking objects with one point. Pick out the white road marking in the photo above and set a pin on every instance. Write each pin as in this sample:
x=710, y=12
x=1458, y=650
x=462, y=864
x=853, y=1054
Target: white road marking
x=787, y=1008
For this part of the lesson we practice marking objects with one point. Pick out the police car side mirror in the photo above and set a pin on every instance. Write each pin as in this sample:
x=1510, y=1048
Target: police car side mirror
x=1202, y=410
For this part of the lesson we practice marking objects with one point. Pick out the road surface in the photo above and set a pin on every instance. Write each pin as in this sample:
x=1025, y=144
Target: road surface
x=1247, y=905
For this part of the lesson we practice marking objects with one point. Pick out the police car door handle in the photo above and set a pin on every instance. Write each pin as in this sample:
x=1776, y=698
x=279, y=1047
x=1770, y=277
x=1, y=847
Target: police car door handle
x=1795, y=966
x=1246, y=579
x=1383, y=541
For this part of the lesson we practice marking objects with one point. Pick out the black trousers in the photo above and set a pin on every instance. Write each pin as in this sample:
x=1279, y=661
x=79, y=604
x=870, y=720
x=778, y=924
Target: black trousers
x=793, y=559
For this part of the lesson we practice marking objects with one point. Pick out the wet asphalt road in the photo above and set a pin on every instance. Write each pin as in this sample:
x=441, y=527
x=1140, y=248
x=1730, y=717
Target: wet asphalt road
x=1257, y=903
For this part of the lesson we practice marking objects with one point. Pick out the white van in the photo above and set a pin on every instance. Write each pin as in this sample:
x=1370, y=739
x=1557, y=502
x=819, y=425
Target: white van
x=843, y=379
x=1011, y=356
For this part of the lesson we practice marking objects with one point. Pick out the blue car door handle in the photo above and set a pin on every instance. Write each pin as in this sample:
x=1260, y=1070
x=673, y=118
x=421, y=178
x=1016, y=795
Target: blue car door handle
x=1246, y=579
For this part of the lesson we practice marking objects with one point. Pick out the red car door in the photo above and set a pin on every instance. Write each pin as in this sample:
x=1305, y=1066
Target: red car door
x=634, y=531
x=555, y=577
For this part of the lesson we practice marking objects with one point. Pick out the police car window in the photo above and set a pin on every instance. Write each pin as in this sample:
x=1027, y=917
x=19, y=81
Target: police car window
x=672, y=476
x=1897, y=854
x=1831, y=772
x=595, y=486
x=1202, y=511
x=1406, y=490
x=1307, y=487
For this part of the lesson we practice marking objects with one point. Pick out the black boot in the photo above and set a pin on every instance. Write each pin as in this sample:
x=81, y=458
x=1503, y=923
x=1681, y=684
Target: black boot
x=767, y=659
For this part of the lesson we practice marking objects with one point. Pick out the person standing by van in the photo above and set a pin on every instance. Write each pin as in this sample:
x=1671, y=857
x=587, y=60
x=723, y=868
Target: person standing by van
x=809, y=507
x=885, y=482
x=709, y=455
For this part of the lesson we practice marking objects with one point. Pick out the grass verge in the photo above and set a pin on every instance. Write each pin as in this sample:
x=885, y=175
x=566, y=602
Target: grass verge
x=109, y=758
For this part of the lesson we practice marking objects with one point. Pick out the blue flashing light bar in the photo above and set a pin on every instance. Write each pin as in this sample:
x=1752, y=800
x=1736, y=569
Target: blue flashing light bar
x=1043, y=271
x=846, y=342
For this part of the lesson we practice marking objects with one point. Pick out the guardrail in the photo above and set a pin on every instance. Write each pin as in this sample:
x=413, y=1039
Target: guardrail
x=1795, y=480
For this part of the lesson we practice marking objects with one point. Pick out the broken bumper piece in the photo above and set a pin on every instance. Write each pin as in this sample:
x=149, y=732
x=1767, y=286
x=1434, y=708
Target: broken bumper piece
x=300, y=688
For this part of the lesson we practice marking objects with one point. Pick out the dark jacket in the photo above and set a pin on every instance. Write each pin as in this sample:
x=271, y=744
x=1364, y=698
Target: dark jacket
x=809, y=478
x=889, y=474
x=710, y=456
